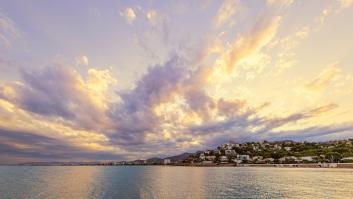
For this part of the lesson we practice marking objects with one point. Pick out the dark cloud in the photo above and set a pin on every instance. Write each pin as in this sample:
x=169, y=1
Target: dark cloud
x=48, y=92
x=39, y=147
x=272, y=123
x=134, y=116
x=302, y=134
x=311, y=132
x=240, y=126
x=56, y=91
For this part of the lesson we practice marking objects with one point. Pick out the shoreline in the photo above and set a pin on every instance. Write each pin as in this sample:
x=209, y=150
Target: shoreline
x=308, y=165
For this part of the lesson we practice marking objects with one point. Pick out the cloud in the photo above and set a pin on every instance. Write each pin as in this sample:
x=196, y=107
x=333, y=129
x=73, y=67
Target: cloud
x=345, y=3
x=250, y=125
x=325, y=13
x=64, y=94
x=168, y=111
x=66, y=116
x=226, y=12
x=170, y=107
x=333, y=9
x=312, y=133
x=324, y=79
x=129, y=14
x=8, y=31
x=152, y=17
x=7, y=65
x=280, y=3
x=322, y=109
x=273, y=123
x=261, y=34
x=82, y=60
x=135, y=116
x=32, y=147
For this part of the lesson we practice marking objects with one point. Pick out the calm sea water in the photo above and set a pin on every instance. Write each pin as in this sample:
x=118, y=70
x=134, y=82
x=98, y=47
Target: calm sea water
x=173, y=182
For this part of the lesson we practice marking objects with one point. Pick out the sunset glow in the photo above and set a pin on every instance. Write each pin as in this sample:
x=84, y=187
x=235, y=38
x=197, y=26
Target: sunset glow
x=91, y=80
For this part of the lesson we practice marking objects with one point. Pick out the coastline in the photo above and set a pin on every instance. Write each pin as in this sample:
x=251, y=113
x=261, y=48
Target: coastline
x=333, y=165
x=308, y=165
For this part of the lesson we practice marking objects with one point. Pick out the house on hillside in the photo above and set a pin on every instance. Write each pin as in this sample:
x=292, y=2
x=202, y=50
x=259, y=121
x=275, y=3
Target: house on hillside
x=202, y=156
x=210, y=158
x=309, y=158
x=288, y=159
x=223, y=159
x=243, y=157
x=230, y=152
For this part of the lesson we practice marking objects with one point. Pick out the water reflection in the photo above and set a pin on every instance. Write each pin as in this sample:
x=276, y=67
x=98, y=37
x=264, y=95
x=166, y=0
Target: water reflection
x=76, y=182
x=49, y=182
x=174, y=182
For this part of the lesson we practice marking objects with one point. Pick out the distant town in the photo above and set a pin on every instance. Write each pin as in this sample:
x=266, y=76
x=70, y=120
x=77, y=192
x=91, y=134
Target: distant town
x=278, y=153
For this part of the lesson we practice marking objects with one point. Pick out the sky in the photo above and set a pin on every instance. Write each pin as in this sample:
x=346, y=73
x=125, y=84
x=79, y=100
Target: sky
x=124, y=80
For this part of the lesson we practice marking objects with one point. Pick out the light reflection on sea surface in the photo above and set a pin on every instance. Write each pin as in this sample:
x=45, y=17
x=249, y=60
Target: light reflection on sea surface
x=173, y=182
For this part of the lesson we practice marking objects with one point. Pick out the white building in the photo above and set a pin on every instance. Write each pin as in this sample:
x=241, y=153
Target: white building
x=166, y=161
x=202, y=156
x=327, y=165
x=223, y=159
x=243, y=157
x=210, y=158
x=288, y=158
x=287, y=148
x=308, y=158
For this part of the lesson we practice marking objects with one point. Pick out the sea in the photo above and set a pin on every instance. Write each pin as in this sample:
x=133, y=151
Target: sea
x=46, y=182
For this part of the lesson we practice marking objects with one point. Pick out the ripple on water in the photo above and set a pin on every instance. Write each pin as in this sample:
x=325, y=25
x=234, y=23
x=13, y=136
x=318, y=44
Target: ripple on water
x=173, y=182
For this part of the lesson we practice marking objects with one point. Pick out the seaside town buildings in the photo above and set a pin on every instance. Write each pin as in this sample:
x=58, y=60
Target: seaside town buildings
x=323, y=154
x=278, y=152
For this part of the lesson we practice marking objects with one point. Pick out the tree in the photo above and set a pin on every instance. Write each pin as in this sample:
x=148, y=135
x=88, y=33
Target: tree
x=334, y=156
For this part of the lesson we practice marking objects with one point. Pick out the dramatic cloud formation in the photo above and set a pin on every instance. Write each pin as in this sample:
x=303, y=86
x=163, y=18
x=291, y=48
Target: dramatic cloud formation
x=211, y=81
x=64, y=94
x=252, y=43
